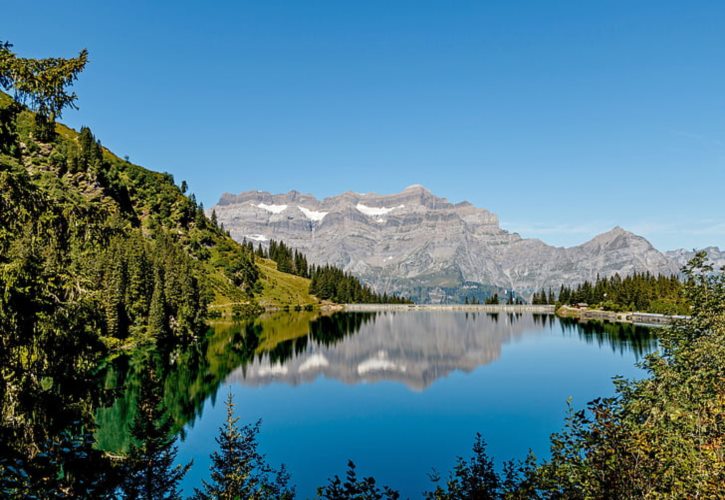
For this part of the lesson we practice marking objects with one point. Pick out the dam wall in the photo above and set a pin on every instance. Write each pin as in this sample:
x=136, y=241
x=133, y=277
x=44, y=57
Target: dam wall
x=492, y=308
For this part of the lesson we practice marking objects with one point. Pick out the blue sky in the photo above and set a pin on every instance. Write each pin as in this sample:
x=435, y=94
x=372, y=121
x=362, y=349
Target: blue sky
x=564, y=118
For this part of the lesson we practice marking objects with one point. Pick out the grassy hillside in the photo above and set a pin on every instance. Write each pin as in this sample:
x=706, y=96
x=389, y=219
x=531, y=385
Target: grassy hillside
x=273, y=290
x=282, y=289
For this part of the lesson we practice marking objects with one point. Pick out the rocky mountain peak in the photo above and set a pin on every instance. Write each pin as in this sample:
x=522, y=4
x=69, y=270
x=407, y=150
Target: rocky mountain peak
x=420, y=244
x=617, y=236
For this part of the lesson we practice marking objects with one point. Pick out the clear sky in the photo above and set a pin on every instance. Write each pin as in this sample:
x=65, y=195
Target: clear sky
x=563, y=117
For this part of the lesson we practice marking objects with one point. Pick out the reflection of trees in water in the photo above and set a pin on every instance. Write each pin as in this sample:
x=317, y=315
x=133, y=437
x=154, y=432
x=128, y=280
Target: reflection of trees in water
x=189, y=374
x=192, y=373
x=621, y=337
x=57, y=428
x=49, y=385
x=324, y=330
x=543, y=319
x=513, y=317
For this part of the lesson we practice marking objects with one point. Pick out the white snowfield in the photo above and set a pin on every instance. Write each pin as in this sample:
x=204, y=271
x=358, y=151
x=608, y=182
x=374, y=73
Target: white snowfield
x=312, y=214
x=275, y=209
x=256, y=237
x=375, y=211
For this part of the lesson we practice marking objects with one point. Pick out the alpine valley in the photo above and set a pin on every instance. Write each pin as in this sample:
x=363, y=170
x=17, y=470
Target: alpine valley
x=422, y=246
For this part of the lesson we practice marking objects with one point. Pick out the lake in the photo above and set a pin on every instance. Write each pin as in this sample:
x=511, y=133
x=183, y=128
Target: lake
x=399, y=393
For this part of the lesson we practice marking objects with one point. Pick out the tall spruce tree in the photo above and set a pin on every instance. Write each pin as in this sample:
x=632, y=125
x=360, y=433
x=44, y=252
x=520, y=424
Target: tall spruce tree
x=474, y=478
x=158, y=317
x=238, y=470
x=353, y=488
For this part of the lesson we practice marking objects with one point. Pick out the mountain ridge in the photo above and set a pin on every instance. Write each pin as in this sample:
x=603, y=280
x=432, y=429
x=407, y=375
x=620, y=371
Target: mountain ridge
x=682, y=255
x=415, y=242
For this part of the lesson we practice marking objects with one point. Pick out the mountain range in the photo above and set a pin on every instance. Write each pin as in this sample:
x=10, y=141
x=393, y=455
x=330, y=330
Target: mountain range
x=682, y=256
x=427, y=248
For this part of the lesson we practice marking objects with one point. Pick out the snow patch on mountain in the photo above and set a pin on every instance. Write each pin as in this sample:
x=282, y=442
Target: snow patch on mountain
x=376, y=211
x=256, y=237
x=313, y=214
x=275, y=209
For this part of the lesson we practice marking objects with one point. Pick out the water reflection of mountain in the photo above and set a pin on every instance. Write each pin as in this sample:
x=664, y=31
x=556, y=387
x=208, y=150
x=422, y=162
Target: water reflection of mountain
x=414, y=348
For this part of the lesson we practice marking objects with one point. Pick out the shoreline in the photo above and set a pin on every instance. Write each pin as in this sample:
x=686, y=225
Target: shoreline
x=631, y=317
x=582, y=314
x=492, y=308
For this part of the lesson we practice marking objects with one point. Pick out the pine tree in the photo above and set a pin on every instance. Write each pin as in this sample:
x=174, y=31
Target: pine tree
x=238, y=470
x=115, y=284
x=158, y=317
x=200, y=217
x=42, y=85
x=474, y=478
x=150, y=473
x=354, y=488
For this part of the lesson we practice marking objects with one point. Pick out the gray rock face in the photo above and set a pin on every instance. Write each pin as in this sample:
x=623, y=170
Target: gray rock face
x=682, y=256
x=418, y=244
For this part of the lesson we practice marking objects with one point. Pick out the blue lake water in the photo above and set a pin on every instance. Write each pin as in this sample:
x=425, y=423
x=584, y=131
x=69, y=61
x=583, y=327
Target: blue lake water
x=404, y=393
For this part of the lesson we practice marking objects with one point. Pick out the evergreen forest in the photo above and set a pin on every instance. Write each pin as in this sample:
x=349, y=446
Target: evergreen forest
x=327, y=282
x=636, y=292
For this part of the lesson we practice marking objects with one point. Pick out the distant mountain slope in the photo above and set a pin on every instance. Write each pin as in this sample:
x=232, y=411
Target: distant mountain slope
x=424, y=247
x=682, y=256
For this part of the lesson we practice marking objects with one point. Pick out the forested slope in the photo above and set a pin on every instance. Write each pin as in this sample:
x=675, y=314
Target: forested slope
x=86, y=236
